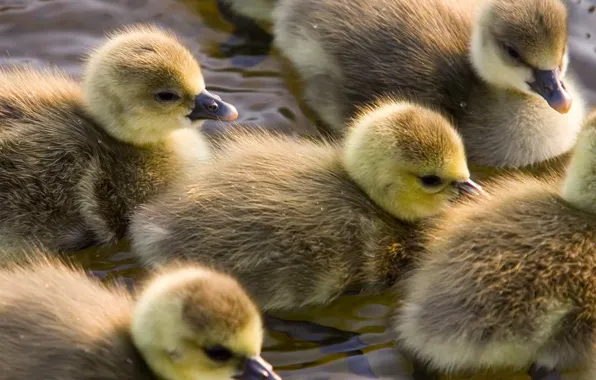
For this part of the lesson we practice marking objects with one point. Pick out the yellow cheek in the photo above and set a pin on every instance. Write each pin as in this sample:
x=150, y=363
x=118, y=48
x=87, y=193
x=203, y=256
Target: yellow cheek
x=195, y=368
x=419, y=204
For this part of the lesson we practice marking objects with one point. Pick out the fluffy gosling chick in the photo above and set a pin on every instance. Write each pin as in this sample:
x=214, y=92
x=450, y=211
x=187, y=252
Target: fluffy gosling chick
x=75, y=163
x=497, y=67
x=300, y=222
x=511, y=281
x=188, y=323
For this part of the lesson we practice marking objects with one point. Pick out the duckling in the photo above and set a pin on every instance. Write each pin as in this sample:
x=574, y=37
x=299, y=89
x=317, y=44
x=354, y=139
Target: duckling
x=497, y=67
x=188, y=323
x=345, y=217
x=510, y=281
x=75, y=162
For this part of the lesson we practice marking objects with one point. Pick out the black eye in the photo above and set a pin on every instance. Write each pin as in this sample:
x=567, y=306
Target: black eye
x=431, y=180
x=512, y=52
x=218, y=353
x=167, y=96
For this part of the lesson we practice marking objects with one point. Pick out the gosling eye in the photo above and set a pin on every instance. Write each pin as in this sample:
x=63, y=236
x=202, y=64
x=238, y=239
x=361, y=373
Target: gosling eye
x=167, y=96
x=511, y=52
x=218, y=353
x=431, y=181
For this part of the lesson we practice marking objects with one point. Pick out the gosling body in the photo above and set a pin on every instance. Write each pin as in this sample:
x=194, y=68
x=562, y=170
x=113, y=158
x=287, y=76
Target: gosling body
x=453, y=55
x=58, y=324
x=75, y=162
x=509, y=282
x=301, y=222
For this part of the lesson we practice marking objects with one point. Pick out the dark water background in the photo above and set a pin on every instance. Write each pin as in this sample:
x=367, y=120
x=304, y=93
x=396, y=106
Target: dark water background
x=346, y=340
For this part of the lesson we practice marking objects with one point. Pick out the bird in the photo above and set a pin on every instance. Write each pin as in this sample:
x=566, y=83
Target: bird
x=509, y=281
x=76, y=159
x=186, y=322
x=300, y=222
x=498, y=68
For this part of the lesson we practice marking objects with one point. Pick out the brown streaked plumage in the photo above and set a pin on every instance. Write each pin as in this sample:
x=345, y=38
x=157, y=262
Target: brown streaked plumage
x=188, y=323
x=511, y=280
x=300, y=222
x=74, y=163
x=455, y=55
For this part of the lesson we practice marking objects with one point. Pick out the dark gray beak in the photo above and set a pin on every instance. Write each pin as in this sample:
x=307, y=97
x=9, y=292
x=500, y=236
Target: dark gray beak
x=470, y=187
x=257, y=369
x=209, y=106
x=548, y=85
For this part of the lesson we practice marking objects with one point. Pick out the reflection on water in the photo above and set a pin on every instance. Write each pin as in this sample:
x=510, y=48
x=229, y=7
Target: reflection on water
x=346, y=340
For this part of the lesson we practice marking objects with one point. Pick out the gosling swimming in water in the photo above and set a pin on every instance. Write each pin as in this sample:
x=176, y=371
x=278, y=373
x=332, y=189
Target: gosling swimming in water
x=498, y=68
x=187, y=323
x=510, y=281
x=75, y=162
x=301, y=222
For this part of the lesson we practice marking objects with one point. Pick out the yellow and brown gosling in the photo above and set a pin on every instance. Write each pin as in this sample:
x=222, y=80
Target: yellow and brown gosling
x=188, y=323
x=301, y=222
x=75, y=162
x=510, y=281
x=497, y=67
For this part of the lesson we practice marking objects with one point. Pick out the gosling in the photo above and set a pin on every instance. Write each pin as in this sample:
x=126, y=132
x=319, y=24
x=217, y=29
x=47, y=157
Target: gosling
x=188, y=323
x=74, y=163
x=497, y=67
x=301, y=222
x=510, y=281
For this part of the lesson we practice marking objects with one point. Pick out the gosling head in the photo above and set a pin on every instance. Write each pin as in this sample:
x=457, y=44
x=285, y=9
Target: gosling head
x=407, y=158
x=522, y=45
x=142, y=84
x=193, y=323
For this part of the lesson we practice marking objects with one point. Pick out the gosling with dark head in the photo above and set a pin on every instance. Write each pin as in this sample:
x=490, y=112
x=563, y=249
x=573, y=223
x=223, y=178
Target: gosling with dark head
x=301, y=222
x=510, y=281
x=74, y=163
x=497, y=67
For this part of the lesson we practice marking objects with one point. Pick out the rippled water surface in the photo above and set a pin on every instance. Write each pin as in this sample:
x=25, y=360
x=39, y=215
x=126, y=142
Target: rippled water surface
x=344, y=341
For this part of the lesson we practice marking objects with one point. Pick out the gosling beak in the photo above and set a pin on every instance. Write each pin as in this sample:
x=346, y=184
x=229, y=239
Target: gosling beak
x=257, y=368
x=548, y=85
x=470, y=187
x=210, y=106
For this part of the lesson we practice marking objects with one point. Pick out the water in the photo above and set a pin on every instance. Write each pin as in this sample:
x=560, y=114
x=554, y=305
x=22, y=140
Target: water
x=344, y=341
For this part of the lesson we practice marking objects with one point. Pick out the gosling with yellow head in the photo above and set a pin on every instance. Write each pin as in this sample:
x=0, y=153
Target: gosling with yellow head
x=188, y=323
x=75, y=162
x=301, y=222
x=510, y=281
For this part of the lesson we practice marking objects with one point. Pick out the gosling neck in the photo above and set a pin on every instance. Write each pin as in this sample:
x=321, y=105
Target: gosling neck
x=367, y=177
x=579, y=186
x=144, y=131
x=481, y=58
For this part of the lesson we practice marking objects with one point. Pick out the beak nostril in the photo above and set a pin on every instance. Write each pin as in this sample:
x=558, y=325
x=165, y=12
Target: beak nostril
x=213, y=107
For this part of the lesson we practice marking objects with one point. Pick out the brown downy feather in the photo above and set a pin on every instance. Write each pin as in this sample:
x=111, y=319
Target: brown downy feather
x=511, y=280
x=294, y=220
x=74, y=166
x=351, y=53
x=58, y=324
